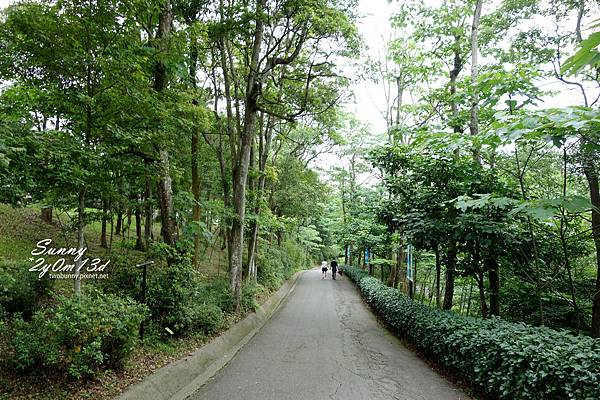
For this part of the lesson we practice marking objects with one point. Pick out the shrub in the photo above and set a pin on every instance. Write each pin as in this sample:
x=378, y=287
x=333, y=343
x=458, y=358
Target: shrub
x=250, y=292
x=80, y=336
x=21, y=291
x=276, y=264
x=216, y=292
x=199, y=317
x=501, y=359
x=124, y=278
x=177, y=297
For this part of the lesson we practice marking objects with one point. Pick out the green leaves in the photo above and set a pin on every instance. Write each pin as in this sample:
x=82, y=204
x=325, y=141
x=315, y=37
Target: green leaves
x=554, y=125
x=540, y=209
x=586, y=55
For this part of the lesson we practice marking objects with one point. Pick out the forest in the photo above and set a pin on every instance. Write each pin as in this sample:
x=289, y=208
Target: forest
x=165, y=165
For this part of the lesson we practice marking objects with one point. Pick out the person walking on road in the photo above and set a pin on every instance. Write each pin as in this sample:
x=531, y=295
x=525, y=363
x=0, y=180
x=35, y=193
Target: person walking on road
x=324, y=269
x=334, y=266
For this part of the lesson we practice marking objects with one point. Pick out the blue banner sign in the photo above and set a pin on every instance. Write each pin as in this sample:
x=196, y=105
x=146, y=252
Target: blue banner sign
x=409, y=263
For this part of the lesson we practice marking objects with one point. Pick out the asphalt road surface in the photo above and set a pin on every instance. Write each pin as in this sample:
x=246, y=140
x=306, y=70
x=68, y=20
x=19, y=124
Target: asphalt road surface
x=323, y=343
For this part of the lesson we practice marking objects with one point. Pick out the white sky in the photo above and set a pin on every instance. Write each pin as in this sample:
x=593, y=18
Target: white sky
x=375, y=28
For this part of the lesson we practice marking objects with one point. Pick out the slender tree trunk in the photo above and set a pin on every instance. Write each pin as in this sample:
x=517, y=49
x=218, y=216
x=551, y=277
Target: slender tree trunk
x=119, y=225
x=482, y=300
x=346, y=254
x=231, y=133
x=139, y=241
x=591, y=174
x=438, y=273
x=474, y=123
x=263, y=155
x=456, y=68
x=165, y=190
x=196, y=193
x=563, y=240
x=462, y=300
x=450, y=275
x=413, y=284
x=393, y=276
x=242, y=161
x=401, y=272
x=128, y=223
x=350, y=254
x=165, y=197
x=80, y=239
x=148, y=211
x=253, y=200
x=194, y=151
x=469, y=300
x=103, y=241
x=494, y=281
x=112, y=229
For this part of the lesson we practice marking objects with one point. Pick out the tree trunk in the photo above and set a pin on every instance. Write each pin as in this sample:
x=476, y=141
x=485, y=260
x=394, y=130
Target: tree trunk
x=394, y=269
x=196, y=193
x=194, y=151
x=482, y=300
x=139, y=242
x=148, y=211
x=128, y=223
x=253, y=200
x=450, y=275
x=165, y=197
x=413, y=283
x=80, y=239
x=457, y=66
x=591, y=175
x=474, y=123
x=469, y=299
x=494, y=281
x=242, y=161
x=346, y=254
x=263, y=152
x=350, y=254
x=563, y=240
x=165, y=190
x=119, y=225
x=103, y=241
x=438, y=273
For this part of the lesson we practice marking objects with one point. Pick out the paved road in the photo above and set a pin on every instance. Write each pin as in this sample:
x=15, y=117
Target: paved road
x=324, y=343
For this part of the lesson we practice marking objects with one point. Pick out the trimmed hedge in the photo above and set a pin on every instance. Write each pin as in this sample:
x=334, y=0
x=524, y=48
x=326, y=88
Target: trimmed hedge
x=502, y=360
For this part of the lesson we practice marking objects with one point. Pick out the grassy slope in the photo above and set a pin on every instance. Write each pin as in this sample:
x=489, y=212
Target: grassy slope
x=20, y=230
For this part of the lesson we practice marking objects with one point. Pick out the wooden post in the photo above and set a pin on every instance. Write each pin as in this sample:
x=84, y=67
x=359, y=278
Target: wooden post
x=47, y=214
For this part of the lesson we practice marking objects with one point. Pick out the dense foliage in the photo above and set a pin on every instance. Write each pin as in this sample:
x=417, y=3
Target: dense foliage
x=192, y=134
x=79, y=336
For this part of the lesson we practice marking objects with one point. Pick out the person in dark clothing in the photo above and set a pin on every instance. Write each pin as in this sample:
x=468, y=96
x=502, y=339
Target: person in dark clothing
x=333, y=264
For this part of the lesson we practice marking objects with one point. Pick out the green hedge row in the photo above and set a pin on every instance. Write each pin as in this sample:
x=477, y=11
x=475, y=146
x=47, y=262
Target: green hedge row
x=502, y=360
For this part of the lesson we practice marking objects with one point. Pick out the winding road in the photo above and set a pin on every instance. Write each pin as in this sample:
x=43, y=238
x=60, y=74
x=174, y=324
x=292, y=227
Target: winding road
x=324, y=343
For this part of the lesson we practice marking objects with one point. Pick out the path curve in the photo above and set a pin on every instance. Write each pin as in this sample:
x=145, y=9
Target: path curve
x=324, y=343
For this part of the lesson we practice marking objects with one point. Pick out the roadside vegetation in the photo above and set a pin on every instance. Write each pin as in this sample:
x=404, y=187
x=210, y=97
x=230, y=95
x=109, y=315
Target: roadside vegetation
x=211, y=141
x=165, y=132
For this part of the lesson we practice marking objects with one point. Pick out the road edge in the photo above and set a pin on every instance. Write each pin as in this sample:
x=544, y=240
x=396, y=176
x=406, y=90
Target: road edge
x=180, y=379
